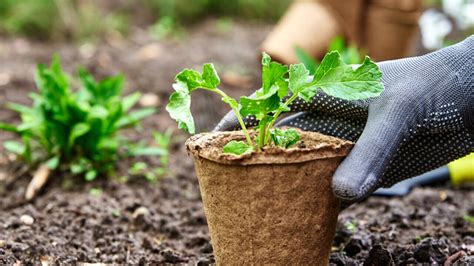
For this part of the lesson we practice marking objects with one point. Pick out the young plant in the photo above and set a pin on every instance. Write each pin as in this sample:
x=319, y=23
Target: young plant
x=76, y=130
x=281, y=85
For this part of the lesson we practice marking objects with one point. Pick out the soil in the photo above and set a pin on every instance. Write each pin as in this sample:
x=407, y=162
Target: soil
x=312, y=146
x=74, y=221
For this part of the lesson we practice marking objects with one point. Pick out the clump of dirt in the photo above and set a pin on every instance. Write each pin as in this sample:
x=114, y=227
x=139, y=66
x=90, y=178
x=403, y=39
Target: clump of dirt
x=134, y=223
x=426, y=226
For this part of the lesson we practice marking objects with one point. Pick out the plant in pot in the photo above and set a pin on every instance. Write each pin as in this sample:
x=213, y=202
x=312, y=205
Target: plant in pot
x=267, y=191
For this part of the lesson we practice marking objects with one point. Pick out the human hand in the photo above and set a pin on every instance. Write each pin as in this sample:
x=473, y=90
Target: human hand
x=423, y=120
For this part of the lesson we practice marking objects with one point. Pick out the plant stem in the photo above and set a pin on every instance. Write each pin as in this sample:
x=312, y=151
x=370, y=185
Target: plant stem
x=236, y=113
x=261, y=139
x=276, y=115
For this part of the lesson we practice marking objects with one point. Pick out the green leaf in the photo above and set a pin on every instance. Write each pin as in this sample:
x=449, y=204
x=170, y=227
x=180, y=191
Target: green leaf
x=91, y=175
x=151, y=177
x=134, y=117
x=191, y=79
x=129, y=101
x=77, y=131
x=138, y=168
x=284, y=138
x=237, y=147
x=141, y=114
x=298, y=78
x=260, y=106
x=22, y=109
x=273, y=74
x=148, y=151
x=14, y=147
x=53, y=163
x=77, y=169
x=110, y=87
x=163, y=140
x=8, y=127
x=98, y=111
x=337, y=44
x=308, y=61
x=469, y=218
x=89, y=82
x=300, y=84
x=349, y=54
x=337, y=79
x=210, y=77
x=179, y=108
x=180, y=101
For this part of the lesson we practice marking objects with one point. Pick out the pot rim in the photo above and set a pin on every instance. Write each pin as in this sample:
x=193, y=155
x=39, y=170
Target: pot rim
x=209, y=145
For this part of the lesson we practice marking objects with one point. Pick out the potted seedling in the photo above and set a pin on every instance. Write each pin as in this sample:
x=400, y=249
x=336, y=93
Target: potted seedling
x=267, y=191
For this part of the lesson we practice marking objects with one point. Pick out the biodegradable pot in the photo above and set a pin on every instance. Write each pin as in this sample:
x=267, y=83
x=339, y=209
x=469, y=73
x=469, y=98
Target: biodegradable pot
x=271, y=207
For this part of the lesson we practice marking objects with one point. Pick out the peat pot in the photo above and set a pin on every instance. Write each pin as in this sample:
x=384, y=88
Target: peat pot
x=272, y=207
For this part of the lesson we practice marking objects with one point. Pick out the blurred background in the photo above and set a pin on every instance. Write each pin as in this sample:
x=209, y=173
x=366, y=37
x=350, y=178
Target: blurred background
x=86, y=20
x=151, y=40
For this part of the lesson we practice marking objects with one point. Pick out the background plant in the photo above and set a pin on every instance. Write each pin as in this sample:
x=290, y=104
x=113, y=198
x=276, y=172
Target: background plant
x=281, y=85
x=91, y=19
x=60, y=19
x=77, y=130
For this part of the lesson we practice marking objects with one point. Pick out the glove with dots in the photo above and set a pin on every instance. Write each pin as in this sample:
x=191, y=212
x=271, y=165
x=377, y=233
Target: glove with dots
x=423, y=120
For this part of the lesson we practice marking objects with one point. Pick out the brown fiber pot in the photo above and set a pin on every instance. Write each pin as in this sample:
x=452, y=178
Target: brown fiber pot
x=272, y=207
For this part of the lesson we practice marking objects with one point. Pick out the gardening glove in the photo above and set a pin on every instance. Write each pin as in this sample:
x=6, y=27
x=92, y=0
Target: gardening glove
x=424, y=119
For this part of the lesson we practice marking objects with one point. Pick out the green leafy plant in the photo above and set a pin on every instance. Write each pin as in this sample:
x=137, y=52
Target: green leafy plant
x=281, y=85
x=76, y=130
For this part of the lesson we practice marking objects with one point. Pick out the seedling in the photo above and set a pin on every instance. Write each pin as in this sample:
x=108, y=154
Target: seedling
x=281, y=85
x=77, y=130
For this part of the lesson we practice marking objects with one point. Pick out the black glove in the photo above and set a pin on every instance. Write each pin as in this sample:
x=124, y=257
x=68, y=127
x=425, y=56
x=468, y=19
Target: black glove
x=423, y=120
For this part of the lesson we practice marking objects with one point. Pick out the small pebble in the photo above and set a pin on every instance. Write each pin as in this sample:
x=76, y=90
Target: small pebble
x=149, y=100
x=2, y=243
x=141, y=211
x=27, y=220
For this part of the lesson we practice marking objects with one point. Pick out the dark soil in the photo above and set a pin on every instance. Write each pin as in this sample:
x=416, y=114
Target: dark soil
x=163, y=222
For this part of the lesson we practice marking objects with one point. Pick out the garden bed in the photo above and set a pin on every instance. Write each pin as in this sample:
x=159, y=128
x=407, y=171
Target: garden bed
x=164, y=221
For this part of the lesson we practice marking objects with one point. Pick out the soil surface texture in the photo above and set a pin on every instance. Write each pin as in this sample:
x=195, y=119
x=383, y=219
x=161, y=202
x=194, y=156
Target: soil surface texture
x=138, y=222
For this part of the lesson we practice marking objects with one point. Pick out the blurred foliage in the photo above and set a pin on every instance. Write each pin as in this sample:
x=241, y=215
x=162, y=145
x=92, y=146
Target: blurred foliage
x=89, y=19
x=67, y=19
x=186, y=11
x=79, y=130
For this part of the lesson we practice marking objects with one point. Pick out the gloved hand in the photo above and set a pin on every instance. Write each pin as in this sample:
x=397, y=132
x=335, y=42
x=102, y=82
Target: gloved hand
x=423, y=120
